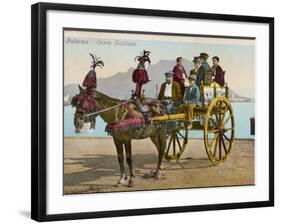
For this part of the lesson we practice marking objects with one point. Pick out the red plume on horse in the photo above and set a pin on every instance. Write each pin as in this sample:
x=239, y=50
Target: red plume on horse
x=90, y=81
x=140, y=76
x=85, y=100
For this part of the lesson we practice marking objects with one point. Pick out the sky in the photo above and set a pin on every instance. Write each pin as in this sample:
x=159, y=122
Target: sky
x=118, y=50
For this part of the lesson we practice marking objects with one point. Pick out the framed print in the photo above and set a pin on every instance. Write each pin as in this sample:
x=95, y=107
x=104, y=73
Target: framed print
x=138, y=111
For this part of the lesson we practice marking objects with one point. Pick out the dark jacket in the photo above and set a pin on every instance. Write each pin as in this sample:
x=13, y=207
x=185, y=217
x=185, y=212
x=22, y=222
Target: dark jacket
x=176, y=92
x=219, y=75
x=201, y=73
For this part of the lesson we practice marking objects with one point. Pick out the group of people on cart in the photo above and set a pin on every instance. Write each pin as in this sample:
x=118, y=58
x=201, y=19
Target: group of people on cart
x=180, y=91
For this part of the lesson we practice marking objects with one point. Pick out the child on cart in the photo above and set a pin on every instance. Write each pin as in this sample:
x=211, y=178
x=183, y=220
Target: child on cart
x=191, y=100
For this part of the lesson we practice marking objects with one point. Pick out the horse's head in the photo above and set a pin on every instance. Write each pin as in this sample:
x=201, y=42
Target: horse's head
x=85, y=104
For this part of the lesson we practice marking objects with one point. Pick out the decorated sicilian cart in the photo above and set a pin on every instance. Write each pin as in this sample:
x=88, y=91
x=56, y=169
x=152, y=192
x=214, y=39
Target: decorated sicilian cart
x=215, y=119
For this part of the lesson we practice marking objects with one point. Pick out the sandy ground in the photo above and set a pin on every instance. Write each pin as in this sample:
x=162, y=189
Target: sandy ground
x=91, y=166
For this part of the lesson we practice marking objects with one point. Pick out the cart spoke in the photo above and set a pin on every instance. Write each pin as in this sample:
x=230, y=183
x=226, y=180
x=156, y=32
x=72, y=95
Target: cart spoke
x=216, y=144
x=227, y=119
x=227, y=129
x=227, y=138
x=178, y=141
x=169, y=145
x=174, y=144
x=214, y=139
x=215, y=112
x=180, y=134
x=220, y=115
x=213, y=121
x=224, y=112
x=220, y=138
x=224, y=147
x=186, y=136
x=213, y=130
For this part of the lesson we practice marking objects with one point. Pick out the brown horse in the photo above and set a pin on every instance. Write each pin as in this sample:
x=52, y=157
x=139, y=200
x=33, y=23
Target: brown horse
x=123, y=136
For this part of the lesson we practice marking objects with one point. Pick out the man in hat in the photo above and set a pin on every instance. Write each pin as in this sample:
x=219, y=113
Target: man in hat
x=179, y=74
x=218, y=72
x=203, y=68
x=170, y=93
x=197, y=63
x=191, y=100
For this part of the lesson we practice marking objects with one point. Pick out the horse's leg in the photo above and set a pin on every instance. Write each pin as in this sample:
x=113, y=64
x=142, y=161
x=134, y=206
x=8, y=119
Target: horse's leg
x=160, y=149
x=162, y=144
x=76, y=124
x=128, y=148
x=155, y=141
x=120, y=155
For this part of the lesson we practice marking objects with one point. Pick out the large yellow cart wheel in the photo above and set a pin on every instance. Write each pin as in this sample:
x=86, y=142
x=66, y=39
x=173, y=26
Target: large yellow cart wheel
x=219, y=130
x=176, y=143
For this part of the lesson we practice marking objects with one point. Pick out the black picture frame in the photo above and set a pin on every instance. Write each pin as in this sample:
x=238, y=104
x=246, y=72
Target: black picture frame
x=39, y=107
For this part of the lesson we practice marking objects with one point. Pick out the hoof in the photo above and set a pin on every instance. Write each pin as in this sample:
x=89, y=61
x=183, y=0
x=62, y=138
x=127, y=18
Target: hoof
x=133, y=174
x=131, y=182
x=150, y=174
x=122, y=181
x=159, y=175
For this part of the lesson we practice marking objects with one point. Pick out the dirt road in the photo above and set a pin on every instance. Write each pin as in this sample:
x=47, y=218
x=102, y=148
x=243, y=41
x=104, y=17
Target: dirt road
x=91, y=166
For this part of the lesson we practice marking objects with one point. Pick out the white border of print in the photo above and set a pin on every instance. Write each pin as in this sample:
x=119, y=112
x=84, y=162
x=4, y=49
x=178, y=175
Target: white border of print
x=57, y=203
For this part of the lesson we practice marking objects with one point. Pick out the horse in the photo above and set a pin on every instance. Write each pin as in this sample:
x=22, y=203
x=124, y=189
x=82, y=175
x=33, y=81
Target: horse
x=120, y=110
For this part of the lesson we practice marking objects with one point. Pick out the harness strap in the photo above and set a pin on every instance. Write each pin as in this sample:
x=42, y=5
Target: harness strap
x=106, y=109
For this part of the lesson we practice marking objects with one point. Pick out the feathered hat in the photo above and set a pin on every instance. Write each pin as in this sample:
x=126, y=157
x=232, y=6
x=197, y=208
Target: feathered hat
x=96, y=61
x=144, y=56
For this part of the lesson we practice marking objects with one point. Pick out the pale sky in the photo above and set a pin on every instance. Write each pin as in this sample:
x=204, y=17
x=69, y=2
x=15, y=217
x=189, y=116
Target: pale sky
x=237, y=56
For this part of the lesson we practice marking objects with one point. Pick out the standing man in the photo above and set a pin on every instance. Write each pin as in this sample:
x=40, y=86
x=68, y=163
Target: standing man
x=179, y=74
x=191, y=100
x=170, y=93
x=197, y=63
x=218, y=72
x=203, y=68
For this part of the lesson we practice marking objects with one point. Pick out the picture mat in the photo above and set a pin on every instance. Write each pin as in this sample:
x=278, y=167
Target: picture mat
x=57, y=203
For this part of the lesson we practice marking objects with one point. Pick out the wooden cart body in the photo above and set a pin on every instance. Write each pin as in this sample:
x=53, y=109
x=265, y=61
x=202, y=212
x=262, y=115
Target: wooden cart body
x=215, y=119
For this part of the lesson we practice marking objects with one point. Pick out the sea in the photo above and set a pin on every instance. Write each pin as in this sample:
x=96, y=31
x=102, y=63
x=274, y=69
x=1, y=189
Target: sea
x=243, y=111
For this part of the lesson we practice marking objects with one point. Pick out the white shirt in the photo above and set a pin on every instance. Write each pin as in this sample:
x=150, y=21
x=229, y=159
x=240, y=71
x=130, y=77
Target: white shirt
x=168, y=90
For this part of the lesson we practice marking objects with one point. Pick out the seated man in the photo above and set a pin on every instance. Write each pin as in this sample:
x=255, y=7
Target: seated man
x=191, y=99
x=170, y=93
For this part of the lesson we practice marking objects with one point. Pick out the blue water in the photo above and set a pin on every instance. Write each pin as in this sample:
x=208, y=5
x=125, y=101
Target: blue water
x=242, y=114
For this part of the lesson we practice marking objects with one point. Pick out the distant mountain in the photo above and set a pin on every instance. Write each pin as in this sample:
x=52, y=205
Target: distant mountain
x=70, y=91
x=120, y=85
